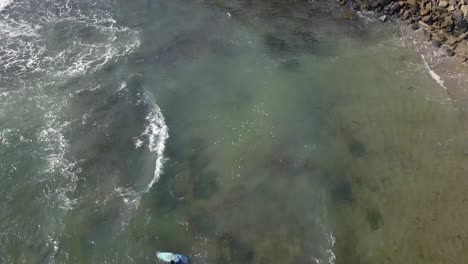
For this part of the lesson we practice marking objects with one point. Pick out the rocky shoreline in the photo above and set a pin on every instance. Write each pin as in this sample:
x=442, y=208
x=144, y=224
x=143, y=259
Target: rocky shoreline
x=444, y=22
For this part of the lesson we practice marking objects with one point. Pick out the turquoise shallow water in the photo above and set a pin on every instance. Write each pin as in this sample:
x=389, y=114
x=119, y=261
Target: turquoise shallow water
x=223, y=130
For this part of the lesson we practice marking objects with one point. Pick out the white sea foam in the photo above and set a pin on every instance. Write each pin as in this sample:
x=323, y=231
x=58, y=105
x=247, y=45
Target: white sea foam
x=431, y=72
x=433, y=75
x=55, y=149
x=25, y=48
x=5, y=136
x=28, y=58
x=4, y=3
x=370, y=16
x=154, y=136
x=158, y=134
x=331, y=254
x=123, y=85
x=367, y=16
x=429, y=55
x=24, y=51
x=329, y=240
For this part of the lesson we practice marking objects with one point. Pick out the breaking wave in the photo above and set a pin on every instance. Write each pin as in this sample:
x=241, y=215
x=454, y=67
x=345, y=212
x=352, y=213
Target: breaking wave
x=153, y=137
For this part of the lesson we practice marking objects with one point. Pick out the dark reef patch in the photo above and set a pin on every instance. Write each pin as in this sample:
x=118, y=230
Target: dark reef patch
x=342, y=191
x=374, y=218
x=357, y=148
x=275, y=44
x=290, y=65
x=233, y=250
x=205, y=185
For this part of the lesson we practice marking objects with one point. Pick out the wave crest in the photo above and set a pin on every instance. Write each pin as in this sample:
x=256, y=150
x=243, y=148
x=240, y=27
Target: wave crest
x=154, y=137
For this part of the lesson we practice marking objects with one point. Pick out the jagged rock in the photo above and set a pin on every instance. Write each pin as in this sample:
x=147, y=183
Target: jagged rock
x=451, y=8
x=406, y=14
x=428, y=5
x=440, y=9
x=453, y=2
x=355, y=6
x=425, y=26
x=414, y=26
x=416, y=17
x=450, y=52
x=462, y=36
x=448, y=22
x=424, y=11
x=383, y=18
x=427, y=19
x=365, y=6
x=464, y=9
x=412, y=4
x=427, y=35
x=439, y=36
x=394, y=8
x=386, y=10
x=458, y=19
x=443, y=3
x=451, y=41
x=349, y=16
x=462, y=49
x=379, y=3
x=462, y=26
x=437, y=44
x=386, y=2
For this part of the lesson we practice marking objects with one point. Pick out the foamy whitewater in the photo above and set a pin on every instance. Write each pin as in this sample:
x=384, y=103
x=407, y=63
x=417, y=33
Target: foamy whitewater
x=155, y=134
x=4, y=3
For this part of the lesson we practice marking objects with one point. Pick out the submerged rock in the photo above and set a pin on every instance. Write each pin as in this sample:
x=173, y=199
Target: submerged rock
x=221, y=48
x=202, y=221
x=374, y=218
x=357, y=148
x=290, y=65
x=350, y=16
x=342, y=191
x=275, y=44
x=294, y=42
x=205, y=185
x=233, y=250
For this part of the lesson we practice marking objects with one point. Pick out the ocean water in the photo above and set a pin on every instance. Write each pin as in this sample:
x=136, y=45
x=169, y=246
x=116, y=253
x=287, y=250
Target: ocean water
x=231, y=131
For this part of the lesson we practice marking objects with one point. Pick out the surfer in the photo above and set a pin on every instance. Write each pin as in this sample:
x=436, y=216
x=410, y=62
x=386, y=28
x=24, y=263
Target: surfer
x=172, y=258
